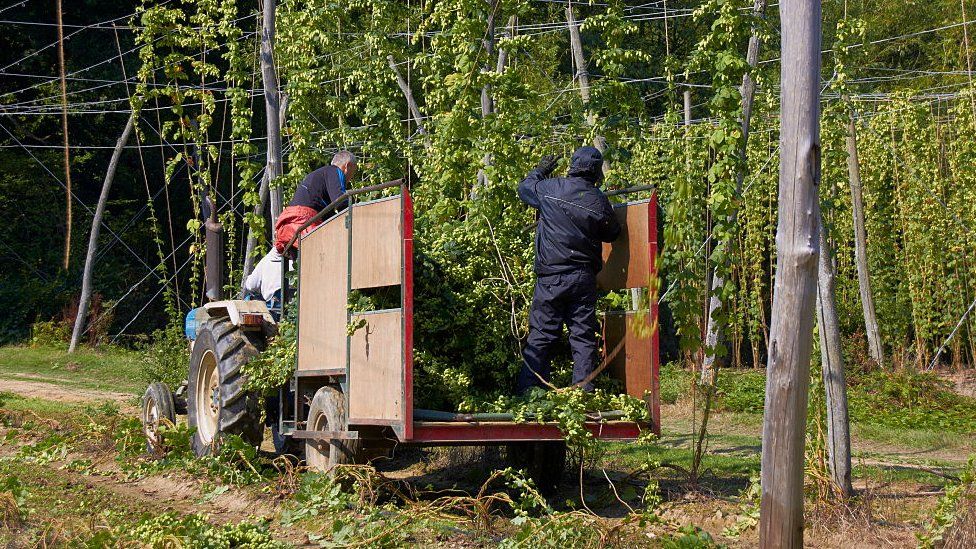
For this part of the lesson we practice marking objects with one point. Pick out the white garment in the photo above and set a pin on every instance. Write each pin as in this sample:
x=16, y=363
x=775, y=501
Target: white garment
x=265, y=280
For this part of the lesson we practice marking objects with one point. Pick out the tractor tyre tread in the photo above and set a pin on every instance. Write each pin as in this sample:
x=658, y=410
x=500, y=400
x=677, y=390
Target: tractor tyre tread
x=240, y=412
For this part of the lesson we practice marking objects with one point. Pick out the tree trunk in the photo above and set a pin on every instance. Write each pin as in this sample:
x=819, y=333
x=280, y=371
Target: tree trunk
x=583, y=77
x=797, y=247
x=832, y=369
x=875, y=347
x=272, y=103
x=714, y=332
x=86, y=279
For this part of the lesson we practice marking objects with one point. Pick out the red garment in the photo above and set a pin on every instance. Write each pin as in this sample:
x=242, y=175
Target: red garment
x=289, y=221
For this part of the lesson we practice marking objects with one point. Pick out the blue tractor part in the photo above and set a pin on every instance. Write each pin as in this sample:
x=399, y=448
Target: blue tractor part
x=191, y=323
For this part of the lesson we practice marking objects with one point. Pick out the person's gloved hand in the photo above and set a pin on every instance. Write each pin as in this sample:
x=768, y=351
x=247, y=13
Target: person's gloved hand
x=546, y=165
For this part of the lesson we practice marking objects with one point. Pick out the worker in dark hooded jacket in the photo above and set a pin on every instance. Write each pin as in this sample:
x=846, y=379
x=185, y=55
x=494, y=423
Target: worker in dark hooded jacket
x=575, y=218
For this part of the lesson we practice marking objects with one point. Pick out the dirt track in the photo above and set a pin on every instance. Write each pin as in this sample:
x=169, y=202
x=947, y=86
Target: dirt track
x=59, y=393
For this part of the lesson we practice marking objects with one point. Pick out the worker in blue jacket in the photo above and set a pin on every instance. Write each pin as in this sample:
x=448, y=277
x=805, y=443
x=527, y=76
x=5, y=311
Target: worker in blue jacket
x=575, y=218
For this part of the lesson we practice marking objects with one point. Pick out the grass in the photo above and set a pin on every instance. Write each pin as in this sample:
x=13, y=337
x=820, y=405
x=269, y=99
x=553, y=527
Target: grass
x=921, y=439
x=56, y=509
x=902, y=409
x=40, y=407
x=107, y=369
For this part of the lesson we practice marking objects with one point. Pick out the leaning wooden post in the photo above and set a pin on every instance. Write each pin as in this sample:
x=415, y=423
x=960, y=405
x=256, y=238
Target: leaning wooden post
x=798, y=249
x=875, y=347
x=408, y=95
x=86, y=278
x=272, y=102
x=832, y=370
x=714, y=332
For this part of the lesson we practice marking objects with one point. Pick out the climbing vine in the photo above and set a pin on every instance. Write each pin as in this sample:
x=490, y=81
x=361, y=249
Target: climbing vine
x=341, y=70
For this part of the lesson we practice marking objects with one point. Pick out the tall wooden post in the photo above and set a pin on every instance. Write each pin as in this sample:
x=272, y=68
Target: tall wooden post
x=263, y=192
x=687, y=97
x=832, y=371
x=86, y=278
x=272, y=103
x=875, y=347
x=583, y=77
x=714, y=332
x=64, y=130
x=798, y=249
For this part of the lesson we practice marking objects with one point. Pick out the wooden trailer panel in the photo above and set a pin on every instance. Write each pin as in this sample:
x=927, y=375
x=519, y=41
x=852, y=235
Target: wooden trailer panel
x=626, y=262
x=632, y=364
x=323, y=279
x=375, y=378
x=377, y=244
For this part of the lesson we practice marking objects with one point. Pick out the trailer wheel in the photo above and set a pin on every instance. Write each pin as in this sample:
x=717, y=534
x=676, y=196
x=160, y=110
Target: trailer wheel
x=217, y=403
x=328, y=413
x=544, y=462
x=157, y=408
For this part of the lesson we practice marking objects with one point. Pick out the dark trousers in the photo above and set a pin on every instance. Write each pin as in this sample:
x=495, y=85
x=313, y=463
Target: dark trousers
x=568, y=299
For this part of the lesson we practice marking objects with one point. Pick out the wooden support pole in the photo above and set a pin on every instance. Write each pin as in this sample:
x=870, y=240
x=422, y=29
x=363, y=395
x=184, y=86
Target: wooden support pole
x=875, y=346
x=86, y=278
x=798, y=249
x=487, y=105
x=832, y=371
x=715, y=332
x=64, y=130
x=272, y=103
x=487, y=101
x=583, y=78
x=687, y=96
x=252, y=237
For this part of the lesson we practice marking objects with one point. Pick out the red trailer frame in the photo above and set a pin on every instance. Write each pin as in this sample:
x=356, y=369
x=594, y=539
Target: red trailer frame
x=328, y=370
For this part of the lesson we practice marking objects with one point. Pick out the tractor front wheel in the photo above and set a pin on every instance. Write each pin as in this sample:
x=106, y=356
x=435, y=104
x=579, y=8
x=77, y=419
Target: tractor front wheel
x=217, y=403
x=158, y=409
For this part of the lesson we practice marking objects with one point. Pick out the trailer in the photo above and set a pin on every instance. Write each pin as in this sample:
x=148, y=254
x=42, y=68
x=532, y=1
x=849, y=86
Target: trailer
x=352, y=394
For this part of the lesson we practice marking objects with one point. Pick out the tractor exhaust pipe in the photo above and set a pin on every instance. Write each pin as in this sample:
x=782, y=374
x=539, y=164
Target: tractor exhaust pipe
x=214, y=264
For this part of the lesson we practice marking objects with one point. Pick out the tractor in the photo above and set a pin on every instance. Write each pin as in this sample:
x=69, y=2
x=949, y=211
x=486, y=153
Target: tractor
x=351, y=396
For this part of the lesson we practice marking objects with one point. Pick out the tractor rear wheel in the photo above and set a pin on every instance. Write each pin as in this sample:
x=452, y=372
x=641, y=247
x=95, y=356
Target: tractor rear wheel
x=157, y=409
x=217, y=403
x=328, y=413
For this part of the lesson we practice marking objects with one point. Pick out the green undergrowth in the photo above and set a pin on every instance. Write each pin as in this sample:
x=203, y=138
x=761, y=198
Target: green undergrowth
x=105, y=369
x=954, y=513
x=48, y=507
x=164, y=357
x=902, y=400
x=56, y=453
x=909, y=400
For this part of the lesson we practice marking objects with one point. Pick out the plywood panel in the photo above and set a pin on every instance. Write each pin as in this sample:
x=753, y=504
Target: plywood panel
x=377, y=244
x=322, y=297
x=632, y=365
x=376, y=388
x=626, y=261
